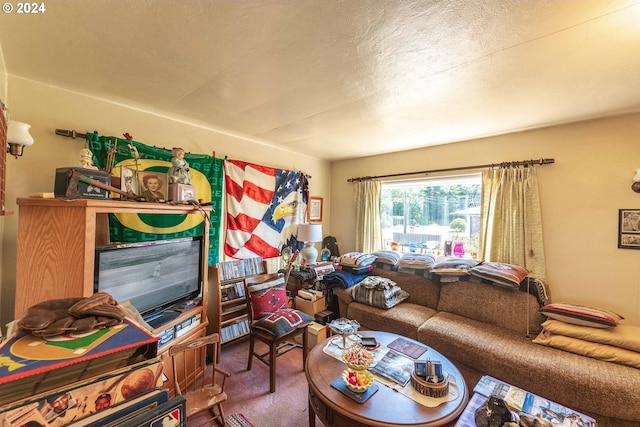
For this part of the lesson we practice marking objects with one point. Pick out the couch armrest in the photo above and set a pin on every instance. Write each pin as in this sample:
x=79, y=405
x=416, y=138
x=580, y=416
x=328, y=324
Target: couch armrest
x=344, y=299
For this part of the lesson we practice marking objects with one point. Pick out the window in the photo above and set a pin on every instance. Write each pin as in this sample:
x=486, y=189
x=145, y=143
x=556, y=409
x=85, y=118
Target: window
x=420, y=215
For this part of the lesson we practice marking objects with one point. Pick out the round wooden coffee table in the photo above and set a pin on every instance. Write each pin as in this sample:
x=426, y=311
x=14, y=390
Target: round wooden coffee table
x=386, y=407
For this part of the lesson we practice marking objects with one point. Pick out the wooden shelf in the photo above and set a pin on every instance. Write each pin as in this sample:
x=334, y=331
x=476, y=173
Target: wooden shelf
x=235, y=309
x=232, y=302
x=57, y=240
x=233, y=320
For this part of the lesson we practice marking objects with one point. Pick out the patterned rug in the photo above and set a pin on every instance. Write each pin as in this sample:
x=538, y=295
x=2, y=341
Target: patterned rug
x=237, y=420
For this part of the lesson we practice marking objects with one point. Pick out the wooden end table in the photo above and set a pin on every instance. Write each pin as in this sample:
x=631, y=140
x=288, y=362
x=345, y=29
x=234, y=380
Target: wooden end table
x=386, y=407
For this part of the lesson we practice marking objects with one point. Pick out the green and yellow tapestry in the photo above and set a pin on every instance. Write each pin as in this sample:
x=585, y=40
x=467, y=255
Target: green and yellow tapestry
x=207, y=173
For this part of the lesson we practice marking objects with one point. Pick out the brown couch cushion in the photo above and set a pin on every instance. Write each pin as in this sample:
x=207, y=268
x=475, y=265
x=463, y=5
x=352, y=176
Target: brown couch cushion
x=403, y=319
x=493, y=305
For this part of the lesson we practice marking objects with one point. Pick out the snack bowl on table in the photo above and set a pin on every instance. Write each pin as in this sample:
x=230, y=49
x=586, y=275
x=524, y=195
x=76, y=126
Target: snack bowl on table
x=357, y=381
x=357, y=358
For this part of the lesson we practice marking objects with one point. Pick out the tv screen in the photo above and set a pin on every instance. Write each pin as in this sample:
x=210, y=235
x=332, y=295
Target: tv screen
x=152, y=276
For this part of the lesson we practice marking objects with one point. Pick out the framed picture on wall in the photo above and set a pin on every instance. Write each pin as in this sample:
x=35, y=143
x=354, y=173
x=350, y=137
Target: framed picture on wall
x=629, y=229
x=314, y=213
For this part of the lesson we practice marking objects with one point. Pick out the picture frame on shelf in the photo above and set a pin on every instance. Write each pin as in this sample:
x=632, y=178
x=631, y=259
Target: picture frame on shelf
x=129, y=180
x=153, y=184
x=314, y=212
x=629, y=229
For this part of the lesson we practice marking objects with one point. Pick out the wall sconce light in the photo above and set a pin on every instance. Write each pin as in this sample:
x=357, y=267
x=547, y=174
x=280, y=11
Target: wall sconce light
x=18, y=137
x=309, y=233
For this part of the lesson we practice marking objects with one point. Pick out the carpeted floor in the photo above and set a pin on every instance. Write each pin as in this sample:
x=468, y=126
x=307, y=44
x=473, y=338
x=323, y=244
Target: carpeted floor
x=248, y=391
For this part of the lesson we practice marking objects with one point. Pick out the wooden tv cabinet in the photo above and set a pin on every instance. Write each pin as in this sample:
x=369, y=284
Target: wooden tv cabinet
x=56, y=253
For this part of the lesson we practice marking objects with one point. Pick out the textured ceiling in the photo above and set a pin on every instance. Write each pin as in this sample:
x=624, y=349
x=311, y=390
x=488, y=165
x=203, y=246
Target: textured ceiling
x=341, y=79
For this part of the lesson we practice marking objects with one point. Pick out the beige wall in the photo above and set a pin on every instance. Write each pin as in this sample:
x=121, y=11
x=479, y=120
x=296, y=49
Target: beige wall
x=580, y=197
x=48, y=108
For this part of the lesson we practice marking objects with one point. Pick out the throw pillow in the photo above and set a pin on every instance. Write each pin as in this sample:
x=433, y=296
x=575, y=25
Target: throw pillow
x=581, y=315
x=379, y=297
x=282, y=321
x=417, y=261
x=454, y=266
x=596, y=350
x=356, y=259
x=623, y=336
x=268, y=296
x=508, y=275
x=388, y=257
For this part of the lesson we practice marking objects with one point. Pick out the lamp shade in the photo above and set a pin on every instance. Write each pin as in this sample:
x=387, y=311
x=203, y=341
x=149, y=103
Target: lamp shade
x=310, y=233
x=18, y=133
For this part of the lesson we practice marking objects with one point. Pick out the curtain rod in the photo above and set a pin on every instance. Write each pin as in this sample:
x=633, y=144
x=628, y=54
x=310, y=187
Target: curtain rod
x=540, y=161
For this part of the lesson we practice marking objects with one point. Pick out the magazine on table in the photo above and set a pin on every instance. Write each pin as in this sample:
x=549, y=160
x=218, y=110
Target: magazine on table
x=519, y=400
x=395, y=367
x=408, y=348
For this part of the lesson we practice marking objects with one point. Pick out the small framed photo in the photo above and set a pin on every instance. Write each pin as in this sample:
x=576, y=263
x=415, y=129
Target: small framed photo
x=315, y=209
x=629, y=229
x=153, y=185
x=129, y=180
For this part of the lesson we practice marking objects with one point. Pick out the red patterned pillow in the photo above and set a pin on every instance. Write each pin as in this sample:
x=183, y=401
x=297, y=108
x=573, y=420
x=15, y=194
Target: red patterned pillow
x=581, y=315
x=508, y=275
x=267, y=296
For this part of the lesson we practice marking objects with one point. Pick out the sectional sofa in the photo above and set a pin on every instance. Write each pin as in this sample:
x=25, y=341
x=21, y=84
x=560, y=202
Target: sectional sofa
x=486, y=329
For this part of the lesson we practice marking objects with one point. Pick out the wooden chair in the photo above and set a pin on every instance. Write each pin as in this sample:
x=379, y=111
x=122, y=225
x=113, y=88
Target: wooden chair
x=200, y=388
x=276, y=327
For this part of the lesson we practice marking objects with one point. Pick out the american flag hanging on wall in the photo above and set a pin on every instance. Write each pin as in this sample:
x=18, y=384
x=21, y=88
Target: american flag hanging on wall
x=264, y=207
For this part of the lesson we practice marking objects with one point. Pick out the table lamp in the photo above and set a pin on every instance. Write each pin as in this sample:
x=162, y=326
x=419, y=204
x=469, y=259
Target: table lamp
x=309, y=233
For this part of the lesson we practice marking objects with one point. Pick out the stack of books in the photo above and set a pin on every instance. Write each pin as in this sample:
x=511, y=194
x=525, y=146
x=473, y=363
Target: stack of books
x=62, y=380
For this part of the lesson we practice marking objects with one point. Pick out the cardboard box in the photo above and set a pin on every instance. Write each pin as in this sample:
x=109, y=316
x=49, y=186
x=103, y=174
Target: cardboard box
x=86, y=191
x=316, y=333
x=310, y=307
x=310, y=294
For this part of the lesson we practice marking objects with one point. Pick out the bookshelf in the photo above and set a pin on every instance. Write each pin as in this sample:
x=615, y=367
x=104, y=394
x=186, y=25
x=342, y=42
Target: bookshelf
x=227, y=306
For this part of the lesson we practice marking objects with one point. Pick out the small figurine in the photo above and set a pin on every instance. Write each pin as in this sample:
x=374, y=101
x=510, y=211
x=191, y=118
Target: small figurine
x=179, y=171
x=86, y=159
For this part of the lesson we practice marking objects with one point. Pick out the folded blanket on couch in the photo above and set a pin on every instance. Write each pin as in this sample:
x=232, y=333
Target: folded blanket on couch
x=377, y=282
x=342, y=279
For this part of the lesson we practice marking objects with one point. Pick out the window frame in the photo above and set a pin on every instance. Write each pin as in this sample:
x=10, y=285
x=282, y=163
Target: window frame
x=472, y=225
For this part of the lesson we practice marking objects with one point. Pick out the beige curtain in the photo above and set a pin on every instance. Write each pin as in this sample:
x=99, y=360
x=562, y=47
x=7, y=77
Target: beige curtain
x=368, y=226
x=510, y=221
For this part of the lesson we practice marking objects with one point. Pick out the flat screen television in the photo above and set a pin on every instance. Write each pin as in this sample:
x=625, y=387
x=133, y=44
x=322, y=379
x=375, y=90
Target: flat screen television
x=152, y=276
